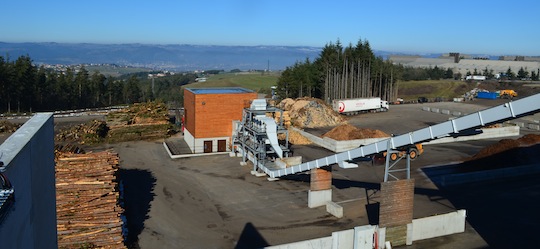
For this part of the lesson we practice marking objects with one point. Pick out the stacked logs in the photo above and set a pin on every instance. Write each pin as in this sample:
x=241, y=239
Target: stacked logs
x=88, y=213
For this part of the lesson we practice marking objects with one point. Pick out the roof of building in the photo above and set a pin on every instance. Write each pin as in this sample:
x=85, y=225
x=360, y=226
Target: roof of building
x=219, y=90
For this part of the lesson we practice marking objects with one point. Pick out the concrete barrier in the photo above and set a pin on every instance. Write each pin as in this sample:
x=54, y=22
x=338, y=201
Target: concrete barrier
x=447, y=112
x=487, y=133
x=534, y=127
x=334, y=209
x=320, y=243
x=319, y=198
x=425, y=108
x=440, y=225
x=435, y=110
x=456, y=113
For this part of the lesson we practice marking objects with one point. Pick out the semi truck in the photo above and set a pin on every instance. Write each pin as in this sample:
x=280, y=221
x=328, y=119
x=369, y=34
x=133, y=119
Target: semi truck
x=359, y=105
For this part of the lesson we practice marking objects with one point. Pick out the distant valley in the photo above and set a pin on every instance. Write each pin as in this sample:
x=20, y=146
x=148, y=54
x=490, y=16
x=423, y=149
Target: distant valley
x=177, y=57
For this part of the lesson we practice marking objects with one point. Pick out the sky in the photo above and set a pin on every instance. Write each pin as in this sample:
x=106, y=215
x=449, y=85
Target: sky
x=492, y=27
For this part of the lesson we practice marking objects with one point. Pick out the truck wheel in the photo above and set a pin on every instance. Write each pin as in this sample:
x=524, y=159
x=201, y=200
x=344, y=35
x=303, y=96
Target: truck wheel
x=413, y=154
x=393, y=156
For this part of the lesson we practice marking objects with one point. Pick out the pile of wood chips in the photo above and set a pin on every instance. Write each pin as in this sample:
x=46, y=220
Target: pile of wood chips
x=507, y=144
x=349, y=132
x=88, y=213
x=310, y=113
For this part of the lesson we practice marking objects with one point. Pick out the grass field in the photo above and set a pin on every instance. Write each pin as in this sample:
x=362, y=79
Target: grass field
x=447, y=89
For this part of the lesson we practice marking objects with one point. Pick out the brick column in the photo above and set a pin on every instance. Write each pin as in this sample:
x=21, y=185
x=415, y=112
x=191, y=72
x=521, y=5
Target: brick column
x=320, y=190
x=396, y=209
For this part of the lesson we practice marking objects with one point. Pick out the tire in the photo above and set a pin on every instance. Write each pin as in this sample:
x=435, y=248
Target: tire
x=393, y=157
x=413, y=154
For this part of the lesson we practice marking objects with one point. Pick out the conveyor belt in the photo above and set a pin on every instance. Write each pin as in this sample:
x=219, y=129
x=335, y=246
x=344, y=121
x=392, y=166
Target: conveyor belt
x=507, y=111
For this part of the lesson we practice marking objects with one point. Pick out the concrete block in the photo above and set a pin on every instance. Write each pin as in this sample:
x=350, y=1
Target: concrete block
x=347, y=165
x=381, y=234
x=520, y=124
x=243, y=163
x=343, y=239
x=447, y=112
x=334, y=209
x=318, y=198
x=534, y=127
x=456, y=113
x=288, y=161
x=409, y=234
x=439, y=225
x=435, y=110
x=363, y=237
x=425, y=108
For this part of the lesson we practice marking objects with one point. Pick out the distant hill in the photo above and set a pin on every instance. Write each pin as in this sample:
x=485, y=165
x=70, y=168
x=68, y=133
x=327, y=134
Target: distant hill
x=172, y=57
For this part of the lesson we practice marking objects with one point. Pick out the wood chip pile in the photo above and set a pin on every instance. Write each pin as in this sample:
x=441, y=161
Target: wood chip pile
x=295, y=138
x=310, y=113
x=87, y=207
x=349, y=132
x=507, y=144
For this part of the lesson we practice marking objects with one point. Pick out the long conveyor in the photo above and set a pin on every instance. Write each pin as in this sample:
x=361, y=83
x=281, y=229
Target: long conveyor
x=507, y=111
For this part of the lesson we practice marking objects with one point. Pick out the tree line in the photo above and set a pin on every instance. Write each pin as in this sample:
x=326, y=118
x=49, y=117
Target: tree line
x=25, y=87
x=341, y=72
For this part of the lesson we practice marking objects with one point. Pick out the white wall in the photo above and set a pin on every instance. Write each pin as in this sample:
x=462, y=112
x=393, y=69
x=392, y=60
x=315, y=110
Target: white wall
x=440, y=225
x=29, y=158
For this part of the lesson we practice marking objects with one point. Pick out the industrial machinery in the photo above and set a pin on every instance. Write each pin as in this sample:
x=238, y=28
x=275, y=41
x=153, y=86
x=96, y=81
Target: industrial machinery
x=507, y=94
x=256, y=137
x=507, y=111
x=413, y=151
x=359, y=105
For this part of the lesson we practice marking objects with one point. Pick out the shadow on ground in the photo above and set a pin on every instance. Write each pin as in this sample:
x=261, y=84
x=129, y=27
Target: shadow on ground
x=251, y=238
x=138, y=187
x=501, y=194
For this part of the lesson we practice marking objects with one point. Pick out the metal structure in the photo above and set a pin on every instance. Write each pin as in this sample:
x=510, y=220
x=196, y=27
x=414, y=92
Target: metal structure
x=507, y=111
x=256, y=137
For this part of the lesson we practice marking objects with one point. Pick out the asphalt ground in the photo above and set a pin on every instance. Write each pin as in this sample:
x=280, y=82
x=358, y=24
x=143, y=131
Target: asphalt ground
x=213, y=202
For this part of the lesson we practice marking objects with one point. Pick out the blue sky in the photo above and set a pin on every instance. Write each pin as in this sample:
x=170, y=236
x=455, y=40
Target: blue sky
x=479, y=27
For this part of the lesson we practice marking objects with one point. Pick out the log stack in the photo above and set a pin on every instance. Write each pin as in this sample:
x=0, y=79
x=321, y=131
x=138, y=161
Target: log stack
x=88, y=213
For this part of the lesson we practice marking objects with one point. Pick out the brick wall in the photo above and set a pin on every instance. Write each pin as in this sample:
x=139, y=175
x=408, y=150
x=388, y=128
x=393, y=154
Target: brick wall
x=321, y=179
x=396, y=209
x=211, y=115
x=396, y=203
x=189, y=111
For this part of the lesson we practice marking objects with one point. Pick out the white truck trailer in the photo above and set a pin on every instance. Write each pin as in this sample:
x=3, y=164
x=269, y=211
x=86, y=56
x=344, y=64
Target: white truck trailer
x=359, y=105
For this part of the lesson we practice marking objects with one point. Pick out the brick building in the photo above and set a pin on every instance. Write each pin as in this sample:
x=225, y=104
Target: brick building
x=208, y=116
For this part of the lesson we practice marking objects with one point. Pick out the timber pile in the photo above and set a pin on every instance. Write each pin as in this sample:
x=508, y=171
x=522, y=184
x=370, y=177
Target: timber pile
x=92, y=132
x=507, y=144
x=349, y=132
x=310, y=113
x=6, y=126
x=140, y=121
x=88, y=213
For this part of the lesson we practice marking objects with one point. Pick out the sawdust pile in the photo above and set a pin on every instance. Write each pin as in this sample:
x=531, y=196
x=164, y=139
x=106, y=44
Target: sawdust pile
x=296, y=138
x=349, y=132
x=507, y=144
x=310, y=113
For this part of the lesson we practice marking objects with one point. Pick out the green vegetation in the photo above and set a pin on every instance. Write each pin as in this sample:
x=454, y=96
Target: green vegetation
x=116, y=71
x=445, y=89
x=255, y=81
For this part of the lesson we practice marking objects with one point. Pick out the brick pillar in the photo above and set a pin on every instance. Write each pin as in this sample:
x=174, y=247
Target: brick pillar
x=320, y=188
x=396, y=209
